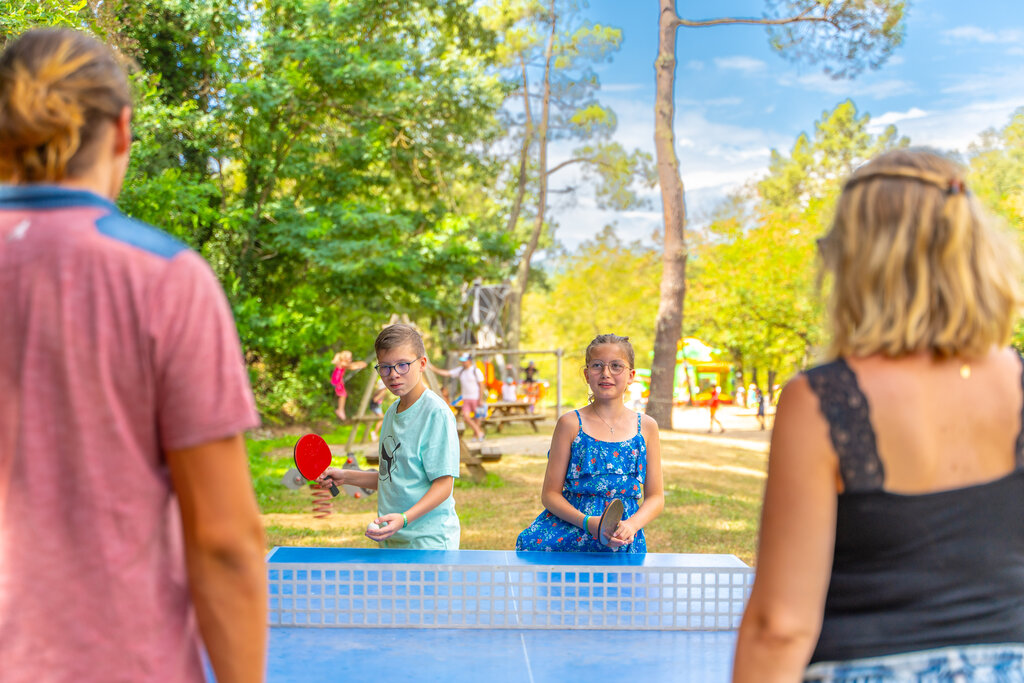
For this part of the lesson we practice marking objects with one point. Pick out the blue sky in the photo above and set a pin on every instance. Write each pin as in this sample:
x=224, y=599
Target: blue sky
x=959, y=71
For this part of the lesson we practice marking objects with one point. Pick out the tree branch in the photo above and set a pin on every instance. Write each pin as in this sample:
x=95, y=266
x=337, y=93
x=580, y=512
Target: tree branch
x=803, y=16
x=577, y=160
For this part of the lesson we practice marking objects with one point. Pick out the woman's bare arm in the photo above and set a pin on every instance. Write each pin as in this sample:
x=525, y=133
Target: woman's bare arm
x=783, y=618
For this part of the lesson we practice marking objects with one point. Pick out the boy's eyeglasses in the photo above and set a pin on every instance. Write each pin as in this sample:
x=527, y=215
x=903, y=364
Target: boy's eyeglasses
x=615, y=367
x=399, y=368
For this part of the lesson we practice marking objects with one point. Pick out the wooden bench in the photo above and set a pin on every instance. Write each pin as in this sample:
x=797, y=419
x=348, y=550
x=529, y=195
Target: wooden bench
x=474, y=455
x=499, y=421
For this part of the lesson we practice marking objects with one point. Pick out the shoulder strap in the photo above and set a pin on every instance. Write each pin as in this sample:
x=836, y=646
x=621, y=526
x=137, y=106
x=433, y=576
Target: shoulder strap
x=1020, y=434
x=578, y=418
x=639, y=425
x=845, y=408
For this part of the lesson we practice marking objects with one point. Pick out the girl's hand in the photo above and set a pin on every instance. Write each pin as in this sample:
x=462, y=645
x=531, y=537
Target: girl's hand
x=332, y=476
x=392, y=522
x=623, y=534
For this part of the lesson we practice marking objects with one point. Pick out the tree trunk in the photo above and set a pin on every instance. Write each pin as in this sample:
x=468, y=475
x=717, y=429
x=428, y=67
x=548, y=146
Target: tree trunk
x=524, y=153
x=518, y=288
x=669, y=324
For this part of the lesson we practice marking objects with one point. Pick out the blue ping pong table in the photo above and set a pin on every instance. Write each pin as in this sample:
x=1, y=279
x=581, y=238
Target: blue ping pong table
x=496, y=616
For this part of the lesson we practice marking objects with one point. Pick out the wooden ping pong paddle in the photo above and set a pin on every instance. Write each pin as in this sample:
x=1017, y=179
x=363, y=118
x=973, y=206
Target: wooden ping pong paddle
x=313, y=456
x=610, y=519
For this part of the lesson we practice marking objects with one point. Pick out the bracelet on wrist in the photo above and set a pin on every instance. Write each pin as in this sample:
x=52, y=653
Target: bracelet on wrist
x=405, y=521
x=585, y=527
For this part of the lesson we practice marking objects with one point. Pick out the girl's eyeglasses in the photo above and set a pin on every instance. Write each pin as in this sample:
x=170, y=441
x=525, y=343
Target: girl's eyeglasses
x=615, y=367
x=399, y=368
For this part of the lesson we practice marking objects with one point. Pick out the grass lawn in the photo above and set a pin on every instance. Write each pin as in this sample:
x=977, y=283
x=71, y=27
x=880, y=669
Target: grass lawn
x=712, y=502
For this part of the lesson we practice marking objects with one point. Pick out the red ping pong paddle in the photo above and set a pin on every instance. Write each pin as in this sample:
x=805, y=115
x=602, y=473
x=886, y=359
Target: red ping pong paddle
x=313, y=456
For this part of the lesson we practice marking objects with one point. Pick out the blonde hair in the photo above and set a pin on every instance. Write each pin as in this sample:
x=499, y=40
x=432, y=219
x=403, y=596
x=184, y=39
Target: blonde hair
x=56, y=87
x=916, y=263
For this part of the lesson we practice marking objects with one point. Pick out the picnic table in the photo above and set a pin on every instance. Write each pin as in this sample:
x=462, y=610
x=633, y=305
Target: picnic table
x=500, y=413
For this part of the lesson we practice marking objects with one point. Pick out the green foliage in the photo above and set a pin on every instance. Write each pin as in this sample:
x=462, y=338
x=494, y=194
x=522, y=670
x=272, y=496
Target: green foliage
x=997, y=170
x=606, y=285
x=753, y=287
x=325, y=157
x=17, y=16
x=329, y=160
x=996, y=176
x=845, y=36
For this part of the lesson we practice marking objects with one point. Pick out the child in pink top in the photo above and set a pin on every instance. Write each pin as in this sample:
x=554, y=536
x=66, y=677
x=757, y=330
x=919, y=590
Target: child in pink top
x=343, y=362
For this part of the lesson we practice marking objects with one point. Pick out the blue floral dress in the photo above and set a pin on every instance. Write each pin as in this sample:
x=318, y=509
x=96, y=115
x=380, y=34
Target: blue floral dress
x=598, y=471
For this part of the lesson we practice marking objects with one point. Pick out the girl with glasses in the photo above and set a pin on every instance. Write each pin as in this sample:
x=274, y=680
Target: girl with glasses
x=600, y=452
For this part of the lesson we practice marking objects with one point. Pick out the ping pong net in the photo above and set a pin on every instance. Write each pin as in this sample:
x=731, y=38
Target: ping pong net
x=346, y=587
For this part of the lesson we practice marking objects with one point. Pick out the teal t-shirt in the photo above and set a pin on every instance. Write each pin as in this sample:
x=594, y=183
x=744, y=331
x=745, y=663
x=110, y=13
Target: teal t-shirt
x=416, y=447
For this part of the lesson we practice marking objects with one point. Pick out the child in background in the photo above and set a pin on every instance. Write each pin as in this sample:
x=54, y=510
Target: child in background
x=343, y=363
x=713, y=403
x=377, y=405
x=508, y=389
x=419, y=454
x=759, y=398
x=471, y=384
x=599, y=452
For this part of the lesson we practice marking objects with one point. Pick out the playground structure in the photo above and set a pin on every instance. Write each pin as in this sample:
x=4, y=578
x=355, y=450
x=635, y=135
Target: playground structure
x=493, y=372
x=697, y=373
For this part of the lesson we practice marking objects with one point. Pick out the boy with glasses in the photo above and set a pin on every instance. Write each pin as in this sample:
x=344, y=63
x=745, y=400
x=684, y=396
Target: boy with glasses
x=419, y=453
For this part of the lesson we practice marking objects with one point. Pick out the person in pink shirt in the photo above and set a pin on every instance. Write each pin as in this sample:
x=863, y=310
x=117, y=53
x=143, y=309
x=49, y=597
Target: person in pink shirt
x=343, y=363
x=129, y=532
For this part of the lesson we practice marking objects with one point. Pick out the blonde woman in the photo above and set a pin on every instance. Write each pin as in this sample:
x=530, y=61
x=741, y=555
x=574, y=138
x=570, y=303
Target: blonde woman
x=892, y=533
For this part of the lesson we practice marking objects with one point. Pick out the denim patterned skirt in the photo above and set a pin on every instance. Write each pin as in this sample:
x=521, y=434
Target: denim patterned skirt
x=1002, y=663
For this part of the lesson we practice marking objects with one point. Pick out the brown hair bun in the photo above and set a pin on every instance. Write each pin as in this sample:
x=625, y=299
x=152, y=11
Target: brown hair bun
x=56, y=87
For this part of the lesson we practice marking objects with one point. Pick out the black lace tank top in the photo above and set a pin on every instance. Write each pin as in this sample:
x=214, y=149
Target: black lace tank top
x=915, y=572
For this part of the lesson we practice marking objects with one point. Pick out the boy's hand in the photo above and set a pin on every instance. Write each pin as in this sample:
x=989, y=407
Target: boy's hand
x=332, y=476
x=392, y=522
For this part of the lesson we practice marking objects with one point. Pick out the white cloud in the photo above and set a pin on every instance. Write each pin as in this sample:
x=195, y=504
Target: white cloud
x=890, y=117
x=740, y=63
x=724, y=102
x=695, y=65
x=714, y=158
x=976, y=34
x=995, y=83
x=819, y=82
x=622, y=87
x=955, y=128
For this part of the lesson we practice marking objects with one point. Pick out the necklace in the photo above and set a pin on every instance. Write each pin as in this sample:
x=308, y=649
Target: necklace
x=610, y=428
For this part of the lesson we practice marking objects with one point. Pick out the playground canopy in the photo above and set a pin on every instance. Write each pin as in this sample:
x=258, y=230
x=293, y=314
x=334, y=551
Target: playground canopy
x=699, y=368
